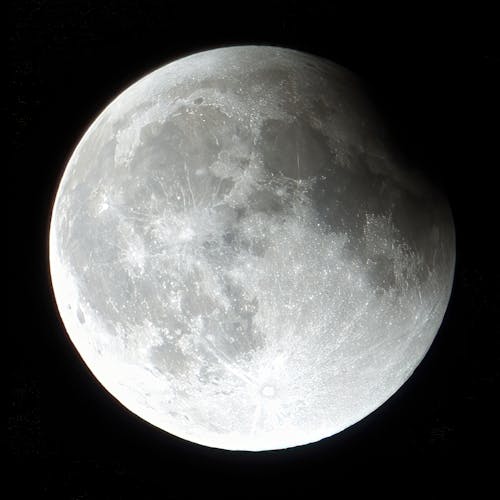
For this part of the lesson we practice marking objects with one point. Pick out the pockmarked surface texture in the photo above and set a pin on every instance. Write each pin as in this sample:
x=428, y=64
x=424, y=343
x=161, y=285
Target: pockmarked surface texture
x=238, y=256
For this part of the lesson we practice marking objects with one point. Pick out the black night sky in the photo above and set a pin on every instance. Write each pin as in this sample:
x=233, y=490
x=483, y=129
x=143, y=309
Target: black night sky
x=435, y=75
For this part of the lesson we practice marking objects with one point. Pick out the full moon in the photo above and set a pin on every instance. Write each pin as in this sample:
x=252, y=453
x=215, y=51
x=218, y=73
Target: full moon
x=241, y=257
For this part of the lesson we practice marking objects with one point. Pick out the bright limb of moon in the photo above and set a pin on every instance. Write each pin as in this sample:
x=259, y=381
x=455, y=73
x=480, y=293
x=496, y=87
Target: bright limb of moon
x=240, y=258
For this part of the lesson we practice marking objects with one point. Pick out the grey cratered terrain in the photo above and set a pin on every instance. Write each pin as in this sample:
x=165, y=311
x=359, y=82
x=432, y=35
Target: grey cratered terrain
x=238, y=256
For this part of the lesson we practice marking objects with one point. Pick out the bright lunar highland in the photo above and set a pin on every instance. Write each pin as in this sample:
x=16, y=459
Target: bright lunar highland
x=240, y=257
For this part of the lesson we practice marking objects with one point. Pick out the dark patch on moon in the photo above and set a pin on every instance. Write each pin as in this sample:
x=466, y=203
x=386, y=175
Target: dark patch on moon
x=80, y=316
x=295, y=150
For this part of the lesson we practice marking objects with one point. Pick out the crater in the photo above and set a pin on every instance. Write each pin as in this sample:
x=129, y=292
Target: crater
x=268, y=391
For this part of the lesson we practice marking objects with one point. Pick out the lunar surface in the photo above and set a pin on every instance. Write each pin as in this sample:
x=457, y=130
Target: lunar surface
x=240, y=258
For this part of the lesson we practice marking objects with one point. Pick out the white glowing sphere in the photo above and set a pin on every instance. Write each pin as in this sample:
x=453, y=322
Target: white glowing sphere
x=238, y=256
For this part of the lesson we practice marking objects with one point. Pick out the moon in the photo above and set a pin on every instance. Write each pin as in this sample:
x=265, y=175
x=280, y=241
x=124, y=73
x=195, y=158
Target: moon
x=240, y=256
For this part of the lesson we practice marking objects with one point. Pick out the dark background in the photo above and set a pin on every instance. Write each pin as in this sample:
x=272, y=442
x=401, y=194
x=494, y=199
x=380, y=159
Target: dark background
x=433, y=72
